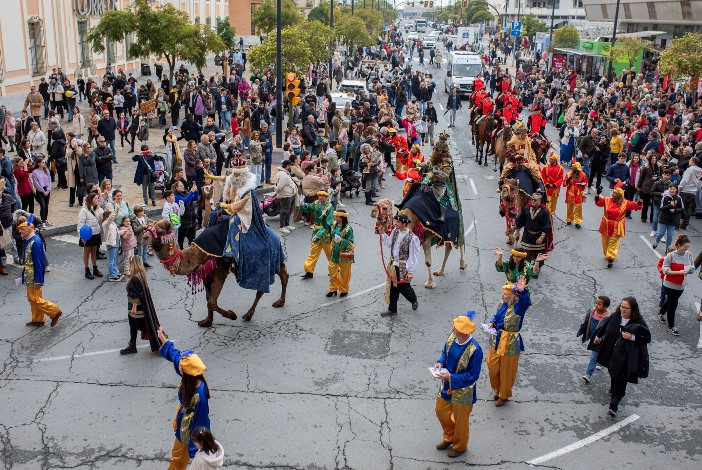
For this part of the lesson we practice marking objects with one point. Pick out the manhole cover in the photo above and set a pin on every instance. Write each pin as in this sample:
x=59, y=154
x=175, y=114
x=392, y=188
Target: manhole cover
x=359, y=344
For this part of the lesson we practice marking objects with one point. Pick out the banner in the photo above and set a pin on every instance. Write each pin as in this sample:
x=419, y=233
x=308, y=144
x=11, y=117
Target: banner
x=558, y=61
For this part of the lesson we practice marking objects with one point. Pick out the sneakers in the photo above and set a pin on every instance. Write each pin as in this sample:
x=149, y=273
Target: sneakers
x=290, y=227
x=389, y=313
x=652, y=234
x=655, y=245
x=415, y=305
x=674, y=331
x=662, y=319
x=612, y=412
x=285, y=231
x=586, y=378
x=342, y=205
x=116, y=279
x=598, y=367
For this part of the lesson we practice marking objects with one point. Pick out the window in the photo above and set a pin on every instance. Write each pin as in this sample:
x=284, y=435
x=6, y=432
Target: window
x=37, y=48
x=197, y=20
x=652, y=15
x=86, y=53
x=209, y=21
x=110, y=55
x=253, y=28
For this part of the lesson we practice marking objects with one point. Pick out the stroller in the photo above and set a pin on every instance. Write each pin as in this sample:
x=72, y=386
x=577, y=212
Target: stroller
x=349, y=180
x=270, y=206
x=164, y=175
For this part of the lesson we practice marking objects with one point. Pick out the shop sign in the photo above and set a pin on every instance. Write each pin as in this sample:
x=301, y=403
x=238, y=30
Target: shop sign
x=93, y=7
x=558, y=61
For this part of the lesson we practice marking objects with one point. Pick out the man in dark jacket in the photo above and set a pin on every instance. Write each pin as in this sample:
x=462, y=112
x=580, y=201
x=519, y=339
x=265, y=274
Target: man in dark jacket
x=432, y=120
x=107, y=127
x=619, y=172
x=103, y=159
x=309, y=132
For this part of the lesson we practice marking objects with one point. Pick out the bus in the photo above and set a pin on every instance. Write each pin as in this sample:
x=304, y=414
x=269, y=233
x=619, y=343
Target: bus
x=420, y=26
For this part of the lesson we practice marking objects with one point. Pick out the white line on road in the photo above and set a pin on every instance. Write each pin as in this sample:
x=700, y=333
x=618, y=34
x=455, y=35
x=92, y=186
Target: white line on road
x=75, y=356
x=370, y=289
x=472, y=185
x=583, y=442
x=470, y=227
x=648, y=244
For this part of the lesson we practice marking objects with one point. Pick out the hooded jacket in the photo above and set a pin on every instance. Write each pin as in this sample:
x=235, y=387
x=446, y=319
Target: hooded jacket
x=205, y=461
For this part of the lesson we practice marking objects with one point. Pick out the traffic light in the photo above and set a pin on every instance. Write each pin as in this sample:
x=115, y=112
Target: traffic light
x=291, y=89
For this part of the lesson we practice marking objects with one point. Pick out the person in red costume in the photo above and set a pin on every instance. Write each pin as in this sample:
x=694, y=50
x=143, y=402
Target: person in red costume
x=613, y=225
x=536, y=122
x=553, y=176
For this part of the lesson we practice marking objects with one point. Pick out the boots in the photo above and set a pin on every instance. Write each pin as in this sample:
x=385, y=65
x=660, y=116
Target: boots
x=130, y=349
x=96, y=273
x=88, y=274
x=3, y=271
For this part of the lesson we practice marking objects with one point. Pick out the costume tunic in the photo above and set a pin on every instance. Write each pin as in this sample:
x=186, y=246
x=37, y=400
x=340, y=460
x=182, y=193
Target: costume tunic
x=508, y=322
x=536, y=222
x=513, y=274
x=463, y=361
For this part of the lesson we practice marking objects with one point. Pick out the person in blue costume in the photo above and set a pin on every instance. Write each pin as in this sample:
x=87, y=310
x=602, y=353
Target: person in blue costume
x=462, y=357
x=507, y=344
x=251, y=244
x=193, y=395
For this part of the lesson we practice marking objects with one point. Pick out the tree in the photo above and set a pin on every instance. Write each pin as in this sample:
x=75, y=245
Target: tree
x=226, y=32
x=532, y=25
x=352, y=31
x=297, y=55
x=481, y=16
x=264, y=18
x=683, y=58
x=318, y=38
x=164, y=31
x=627, y=49
x=320, y=13
x=566, y=37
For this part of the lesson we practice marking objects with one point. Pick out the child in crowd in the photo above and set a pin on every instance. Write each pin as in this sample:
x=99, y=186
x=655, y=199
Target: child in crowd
x=287, y=151
x=422, y=126
x=172, y=211
x=335, y=187
x=111, y=239
x=158, y=168
x=587, y=330
x=210, y=454
x=142, y=250
x=127, y=241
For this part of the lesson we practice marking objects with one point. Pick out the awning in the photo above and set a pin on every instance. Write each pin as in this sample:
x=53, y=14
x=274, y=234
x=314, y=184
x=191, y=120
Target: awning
x=567, y=50
x=641, y=34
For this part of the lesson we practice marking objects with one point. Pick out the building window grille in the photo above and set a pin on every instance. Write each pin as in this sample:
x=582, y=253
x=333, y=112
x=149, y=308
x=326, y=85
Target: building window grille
x=37, y=45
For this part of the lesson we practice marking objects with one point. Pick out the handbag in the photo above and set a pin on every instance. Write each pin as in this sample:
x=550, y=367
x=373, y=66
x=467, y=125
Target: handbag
x=80, y=191
x=153, y=174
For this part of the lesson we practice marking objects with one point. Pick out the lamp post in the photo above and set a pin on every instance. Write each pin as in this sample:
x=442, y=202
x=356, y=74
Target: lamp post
x=279, y=75
x=550, y=39
x=331, y=25
x=352, y=7
x=614, y=39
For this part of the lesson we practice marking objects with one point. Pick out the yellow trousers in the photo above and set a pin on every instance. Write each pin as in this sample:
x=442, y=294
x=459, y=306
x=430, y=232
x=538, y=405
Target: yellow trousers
x=339, y=277
x=179, y=456
x=315, y=250
x=552, y=201
x=40, y=306
x=503, y=372
x=455, y=421
x=574, y=213
x=610, y=247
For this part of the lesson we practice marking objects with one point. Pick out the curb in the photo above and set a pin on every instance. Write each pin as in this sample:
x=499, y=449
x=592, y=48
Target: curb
x=73, y=228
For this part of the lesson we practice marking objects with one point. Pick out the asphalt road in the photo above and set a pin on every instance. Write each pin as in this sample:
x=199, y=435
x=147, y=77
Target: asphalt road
x=332, y=385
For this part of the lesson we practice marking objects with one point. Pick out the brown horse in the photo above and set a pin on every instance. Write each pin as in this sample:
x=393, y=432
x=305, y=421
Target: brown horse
x=540, y=148
x=383, y=212
x=484, y=133
x=501, y=147
x=213, y=270
x=512, y=201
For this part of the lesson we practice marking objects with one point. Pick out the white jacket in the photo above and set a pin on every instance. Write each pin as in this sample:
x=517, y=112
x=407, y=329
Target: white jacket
x=203, y=461
x=690, y=181
x=93, y=219
x=109, y=231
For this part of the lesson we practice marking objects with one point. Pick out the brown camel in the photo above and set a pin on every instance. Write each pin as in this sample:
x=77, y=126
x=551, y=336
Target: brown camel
x=192, y=259
x=383, y=212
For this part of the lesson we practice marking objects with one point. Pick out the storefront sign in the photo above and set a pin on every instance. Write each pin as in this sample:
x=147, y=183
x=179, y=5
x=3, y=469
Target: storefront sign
x=558, y=61
x=93, y=7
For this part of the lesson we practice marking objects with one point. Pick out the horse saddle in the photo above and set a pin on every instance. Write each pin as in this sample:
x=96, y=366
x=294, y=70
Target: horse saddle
x=480, y=119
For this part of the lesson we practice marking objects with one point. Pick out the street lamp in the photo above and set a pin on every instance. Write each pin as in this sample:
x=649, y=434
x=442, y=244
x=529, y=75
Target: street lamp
x=614, y=39
x=279, y=75
x=550, y=40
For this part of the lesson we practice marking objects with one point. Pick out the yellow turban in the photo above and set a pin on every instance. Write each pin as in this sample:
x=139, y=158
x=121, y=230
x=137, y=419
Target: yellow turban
x=192, y=365
x=553, y=156
x=508, y=288
x=520, y=254
x=619, y=191
x=577, y=166
x=322, y=193
x=464, y=325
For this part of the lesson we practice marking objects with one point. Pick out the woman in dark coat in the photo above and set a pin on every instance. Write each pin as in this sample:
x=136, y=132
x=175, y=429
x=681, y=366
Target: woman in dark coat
x=623, y=338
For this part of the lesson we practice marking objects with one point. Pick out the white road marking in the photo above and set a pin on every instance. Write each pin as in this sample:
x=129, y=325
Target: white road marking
x=370, y=289
x=75, y=356
x=470, y=227
x=583, y=442
x=697, y=309
x=441, y=106
x=648, y=244
x=66, y=238
x=491, y=177
x=472, y=185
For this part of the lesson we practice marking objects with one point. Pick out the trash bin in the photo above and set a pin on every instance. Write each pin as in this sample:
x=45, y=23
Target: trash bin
x=145, y=69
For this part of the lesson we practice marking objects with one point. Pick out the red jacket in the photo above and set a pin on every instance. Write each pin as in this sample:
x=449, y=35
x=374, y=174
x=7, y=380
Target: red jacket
x=536, y=123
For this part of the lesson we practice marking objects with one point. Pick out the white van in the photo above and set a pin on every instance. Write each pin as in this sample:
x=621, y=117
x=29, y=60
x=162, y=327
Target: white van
x=461, y=69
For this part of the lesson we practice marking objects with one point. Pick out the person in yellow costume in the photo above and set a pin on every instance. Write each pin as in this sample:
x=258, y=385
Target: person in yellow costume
x=507, y=345
x=321, y=231
x=553, y=176
x=462, y=358
x=519, y=153
x=613, y=224
x=341, y=255
x=576, y=182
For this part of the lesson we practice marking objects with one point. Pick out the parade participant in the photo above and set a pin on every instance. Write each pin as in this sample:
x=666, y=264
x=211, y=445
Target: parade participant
x=517, y=265
x=507, y=344
x=536, y=122
x=535, y=219
x=587, y=330
x=193, y=395
x=510, y=113
x=627, y=361
x=613, y=225
x=521, y=142
x=462, y=357
x=141, y=312
x=323, y=213
x=478, y=84
x=34, y=267
x=341, y=255
x=553, y=176
x=576, y=182
x=404, y=260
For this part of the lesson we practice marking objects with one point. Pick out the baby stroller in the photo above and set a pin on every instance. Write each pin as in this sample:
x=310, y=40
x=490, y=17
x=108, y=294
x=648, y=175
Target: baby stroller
x=164, y=175
x=349, y=180
x=270, y=206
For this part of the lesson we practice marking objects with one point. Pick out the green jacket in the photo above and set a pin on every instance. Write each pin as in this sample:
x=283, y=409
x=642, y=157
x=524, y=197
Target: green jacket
x=323, y=220
x=345, y=245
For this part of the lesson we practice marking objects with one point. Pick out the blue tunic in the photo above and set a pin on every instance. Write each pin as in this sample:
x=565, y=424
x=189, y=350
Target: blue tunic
x=38, y=261
x=519, y=309
x=202, y=409
x=467, y=378
x=257, y=254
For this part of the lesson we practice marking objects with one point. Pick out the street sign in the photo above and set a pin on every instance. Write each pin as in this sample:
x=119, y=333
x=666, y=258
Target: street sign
x=516, y=29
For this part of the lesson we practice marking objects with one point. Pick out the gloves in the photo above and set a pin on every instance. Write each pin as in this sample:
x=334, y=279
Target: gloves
x=337, y=238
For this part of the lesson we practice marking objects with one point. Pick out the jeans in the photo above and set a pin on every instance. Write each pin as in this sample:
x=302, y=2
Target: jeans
x=422, y=107
x=246, y=141
x=47, y=106
x=147, y=184
x=285, y=209
x=668, y=231
x=256, y=170
x=655, y=209
x=267, y=164
x=586, y=166
x=452, y=117
x=43, y=205
x=646, y=204
x=592, y=363
x=671, y=304
x=112, y=270
x=70, y=113
x=111, y=144
x=344, y=149
x=226, y=117
x=102, y=175
x=142, y=251
x=37, y=119
x=398, y=109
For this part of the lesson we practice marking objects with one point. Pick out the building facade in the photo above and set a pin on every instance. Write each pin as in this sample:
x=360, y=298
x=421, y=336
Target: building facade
x=565, y=10
x=40, y=35
x=241, y=13
x=673, y=18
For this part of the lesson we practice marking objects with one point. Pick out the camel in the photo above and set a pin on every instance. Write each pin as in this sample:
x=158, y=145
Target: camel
x=383, y=213
x=194, y=262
